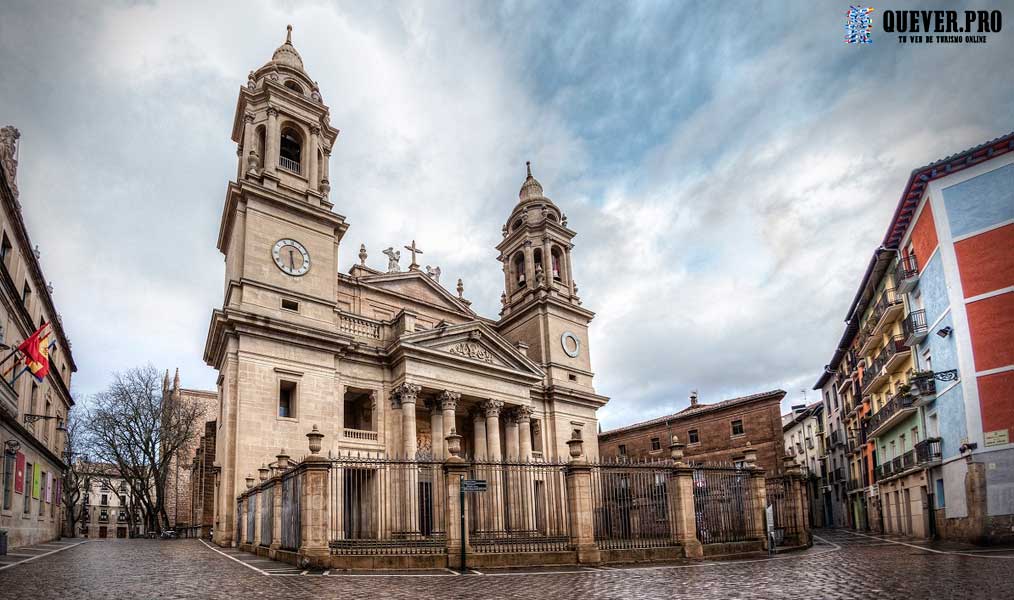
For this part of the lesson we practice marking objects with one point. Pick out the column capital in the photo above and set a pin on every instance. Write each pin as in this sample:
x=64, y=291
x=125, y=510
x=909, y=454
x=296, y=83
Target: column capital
x=406, y=393
x=314, y=130
x=449, y=400
x=272, y=111
x=519, y=414
x=248, y=118
x=492, y=407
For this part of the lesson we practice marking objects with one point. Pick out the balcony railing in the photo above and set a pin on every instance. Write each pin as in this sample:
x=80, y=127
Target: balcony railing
x=854, y=484
x=359, y=434
x=897, y=405
x=923, y=384
x=288, y=164
x=906, y=274
x=914, y=327
x=886, y=309
x=928, y=450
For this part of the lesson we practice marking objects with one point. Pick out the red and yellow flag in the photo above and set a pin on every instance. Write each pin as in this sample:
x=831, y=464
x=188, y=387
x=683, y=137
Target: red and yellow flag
x=35, y=349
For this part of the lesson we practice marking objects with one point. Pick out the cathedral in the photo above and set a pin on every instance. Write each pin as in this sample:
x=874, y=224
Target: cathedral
x=385, y=362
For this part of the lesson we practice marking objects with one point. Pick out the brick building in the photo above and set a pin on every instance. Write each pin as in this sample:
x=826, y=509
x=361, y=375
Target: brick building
x=178, y=486
x=201, y=503
x=712, y=433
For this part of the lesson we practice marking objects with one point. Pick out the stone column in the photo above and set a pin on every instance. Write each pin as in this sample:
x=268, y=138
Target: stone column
x=325, y=177
x=448, y=404
x=437, y=432
x=492, y=409
x=408, y=509
x=523, y=414
x=566, y=272
x=479, y=433
x=759, y=503
x=547, y=260
x=494, y=474
x=529, y=265
x=257, y=518
x=580, y=508
x=249, y=143
x=511, y=436
x=408, y=394
x=311, y=170
x=273, y=139
x=314, y=503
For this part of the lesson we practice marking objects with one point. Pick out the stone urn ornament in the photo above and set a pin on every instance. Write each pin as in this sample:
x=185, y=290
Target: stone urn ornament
x=264, y=471
x=454, y=444
x=576, y=446
x=314, y=437
x=249, y=481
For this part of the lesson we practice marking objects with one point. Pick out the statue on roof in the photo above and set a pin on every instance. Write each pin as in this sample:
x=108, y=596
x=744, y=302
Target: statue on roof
x=393, y=256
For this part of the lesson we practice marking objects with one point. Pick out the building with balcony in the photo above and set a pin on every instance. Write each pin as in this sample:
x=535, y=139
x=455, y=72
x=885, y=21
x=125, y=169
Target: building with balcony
x=32, y=412
x=803, y=434
x=931, y=325
x=719, y=432
x=109, y=509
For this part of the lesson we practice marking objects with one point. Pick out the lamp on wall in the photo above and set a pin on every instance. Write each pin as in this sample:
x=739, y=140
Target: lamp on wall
x=944, y=332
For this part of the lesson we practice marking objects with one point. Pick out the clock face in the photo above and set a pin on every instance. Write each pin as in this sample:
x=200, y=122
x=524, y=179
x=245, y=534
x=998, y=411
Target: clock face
x=291, y=257
x=571, y=344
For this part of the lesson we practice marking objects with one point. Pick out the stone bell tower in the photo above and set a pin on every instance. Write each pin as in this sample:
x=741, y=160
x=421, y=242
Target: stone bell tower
x=274, y=341
x=541, y=307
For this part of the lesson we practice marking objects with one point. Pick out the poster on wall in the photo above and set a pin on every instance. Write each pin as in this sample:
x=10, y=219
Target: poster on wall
x=36, y=481
x=49, y=486
x=19, y=474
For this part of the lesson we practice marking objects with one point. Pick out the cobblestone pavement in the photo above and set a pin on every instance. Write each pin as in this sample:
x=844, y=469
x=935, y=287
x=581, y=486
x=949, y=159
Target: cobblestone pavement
x=840, y=565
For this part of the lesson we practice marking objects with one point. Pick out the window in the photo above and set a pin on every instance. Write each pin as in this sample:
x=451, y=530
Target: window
x=26, y=296
x=5, y=250
x=623, y=449
x=572, y=377
x=292, y=85
x=287, y=399
x=123, y=500
x=693, y=437
x=737, y=427
x=555, y=256
x=940, y=493
x=519, y=269
x=8, y=475
x=105, y=499
x=290, y=304
x=656, y=444
x=291, y=150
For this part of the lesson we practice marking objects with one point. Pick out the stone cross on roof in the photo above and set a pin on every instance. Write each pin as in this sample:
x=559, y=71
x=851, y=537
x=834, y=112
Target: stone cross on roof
x=414, y=250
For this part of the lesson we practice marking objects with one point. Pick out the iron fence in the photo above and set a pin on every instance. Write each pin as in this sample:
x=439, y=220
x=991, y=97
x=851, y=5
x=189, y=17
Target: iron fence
x=634, y=505
x=387, y=506
x=724, y=505
x=251, y=508
x=291, y=523
x=782, y=501
x=524, y=508
x=267, y=514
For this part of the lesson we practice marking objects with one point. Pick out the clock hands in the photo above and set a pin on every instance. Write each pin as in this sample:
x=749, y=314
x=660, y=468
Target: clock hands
x=292, y=260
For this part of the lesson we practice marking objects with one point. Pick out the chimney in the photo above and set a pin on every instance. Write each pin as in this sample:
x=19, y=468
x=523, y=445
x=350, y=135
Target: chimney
x=693, y=398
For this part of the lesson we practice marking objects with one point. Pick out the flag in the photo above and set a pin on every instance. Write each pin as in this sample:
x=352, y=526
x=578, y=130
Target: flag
x=36, y=481
x=36, y=352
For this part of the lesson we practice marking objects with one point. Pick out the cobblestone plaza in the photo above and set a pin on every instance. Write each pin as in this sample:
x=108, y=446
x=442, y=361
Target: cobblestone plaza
x=840, y=565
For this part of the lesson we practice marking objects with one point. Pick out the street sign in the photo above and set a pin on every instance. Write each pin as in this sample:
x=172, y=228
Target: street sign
x=473, y=485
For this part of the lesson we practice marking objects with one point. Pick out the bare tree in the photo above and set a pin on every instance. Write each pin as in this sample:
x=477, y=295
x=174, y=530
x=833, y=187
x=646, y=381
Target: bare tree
x=75, y=476
x=132, y=426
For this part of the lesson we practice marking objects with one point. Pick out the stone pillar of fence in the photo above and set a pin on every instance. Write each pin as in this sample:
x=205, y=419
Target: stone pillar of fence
x=680, y=490
x=315, y=496
x=276, y=520
x=580, y=506
x=455, y=469
x=759, y=496
x=797, y=488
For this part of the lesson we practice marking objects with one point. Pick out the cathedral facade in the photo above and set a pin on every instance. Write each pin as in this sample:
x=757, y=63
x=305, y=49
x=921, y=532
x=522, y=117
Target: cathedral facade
x=385, y=362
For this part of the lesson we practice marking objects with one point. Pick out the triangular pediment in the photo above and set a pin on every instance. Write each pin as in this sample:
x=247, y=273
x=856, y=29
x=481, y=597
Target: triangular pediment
x=474, y=342
x=417, y=286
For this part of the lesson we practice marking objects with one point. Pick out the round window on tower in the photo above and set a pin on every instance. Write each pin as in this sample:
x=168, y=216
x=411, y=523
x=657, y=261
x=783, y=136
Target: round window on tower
x=292, y=85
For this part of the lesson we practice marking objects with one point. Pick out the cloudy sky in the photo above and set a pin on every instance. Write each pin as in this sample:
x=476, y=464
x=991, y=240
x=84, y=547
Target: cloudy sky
x=729, y=167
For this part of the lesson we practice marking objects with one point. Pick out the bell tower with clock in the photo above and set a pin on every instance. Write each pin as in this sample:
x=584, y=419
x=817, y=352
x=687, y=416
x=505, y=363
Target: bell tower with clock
x=540, y=304
x=274, y=340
